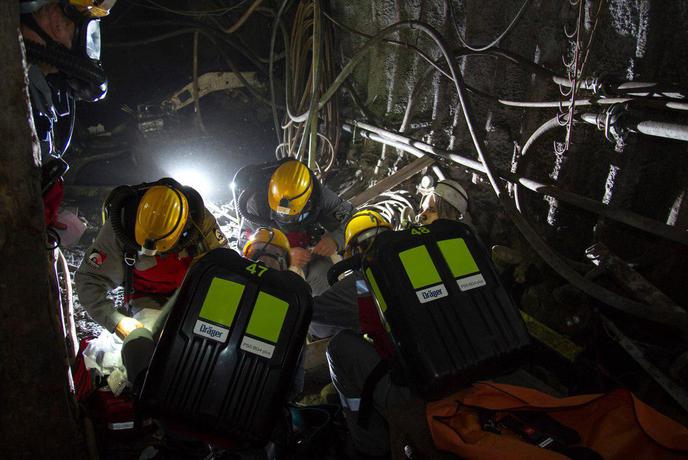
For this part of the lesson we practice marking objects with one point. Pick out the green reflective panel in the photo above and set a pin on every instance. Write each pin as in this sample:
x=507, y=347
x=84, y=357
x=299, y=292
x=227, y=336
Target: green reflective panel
x=458, y=257
x=419, y=267
x=222, y=301
x=376, y=290
x=267, y=317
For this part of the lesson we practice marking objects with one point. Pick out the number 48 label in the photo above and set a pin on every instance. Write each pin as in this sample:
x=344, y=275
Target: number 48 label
x=420, y=231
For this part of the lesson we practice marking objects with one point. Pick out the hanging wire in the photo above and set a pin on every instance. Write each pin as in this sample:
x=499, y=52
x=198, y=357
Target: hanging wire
x=309, y=129
x=494, y=42
x=153, y=5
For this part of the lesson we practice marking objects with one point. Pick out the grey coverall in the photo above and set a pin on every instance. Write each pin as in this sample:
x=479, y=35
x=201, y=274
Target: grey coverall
x=335, y=309
x=102, y=270
x=333, y=213
x=351, y=359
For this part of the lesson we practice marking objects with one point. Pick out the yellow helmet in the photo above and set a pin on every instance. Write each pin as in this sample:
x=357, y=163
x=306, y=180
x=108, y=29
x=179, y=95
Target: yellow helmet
x=268, y=242
x=160, y=219
x=93, y=8
x=90, y=8
x=357, y=229
x=290, y=188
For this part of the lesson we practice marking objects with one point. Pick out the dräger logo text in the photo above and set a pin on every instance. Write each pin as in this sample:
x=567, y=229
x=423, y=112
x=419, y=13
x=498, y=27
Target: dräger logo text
x=210, y=331
x=431, y=293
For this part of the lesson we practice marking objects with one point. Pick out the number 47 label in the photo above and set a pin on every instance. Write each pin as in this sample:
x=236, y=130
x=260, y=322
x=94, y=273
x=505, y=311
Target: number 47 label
x=256, y=269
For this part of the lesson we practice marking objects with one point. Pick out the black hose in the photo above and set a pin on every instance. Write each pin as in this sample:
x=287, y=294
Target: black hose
x=67, y=63
x=115, y=207
x=352, y=263
x=244, y=213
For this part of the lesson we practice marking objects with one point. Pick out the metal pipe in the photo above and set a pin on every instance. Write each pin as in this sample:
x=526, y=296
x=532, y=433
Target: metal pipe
x=556, y=262
x=662, y=129
x=629, y=120
x=418, y=148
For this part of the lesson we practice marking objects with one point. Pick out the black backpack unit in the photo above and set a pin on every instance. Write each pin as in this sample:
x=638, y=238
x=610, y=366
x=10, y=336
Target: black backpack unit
x=440, y=298
x=228, y=352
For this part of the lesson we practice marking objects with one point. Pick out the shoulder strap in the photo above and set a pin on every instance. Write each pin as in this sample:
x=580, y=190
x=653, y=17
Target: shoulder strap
x=128, y=262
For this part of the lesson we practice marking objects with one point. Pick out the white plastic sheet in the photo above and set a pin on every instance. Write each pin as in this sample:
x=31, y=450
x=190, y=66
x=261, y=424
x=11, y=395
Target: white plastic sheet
x=104, y=354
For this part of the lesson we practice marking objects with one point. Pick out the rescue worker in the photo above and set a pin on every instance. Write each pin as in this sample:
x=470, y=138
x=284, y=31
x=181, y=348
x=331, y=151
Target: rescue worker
x=358, y=360
x=448, y=200
x=269, y=246
x=151, y=235
x=62, y=40
x=286, y=195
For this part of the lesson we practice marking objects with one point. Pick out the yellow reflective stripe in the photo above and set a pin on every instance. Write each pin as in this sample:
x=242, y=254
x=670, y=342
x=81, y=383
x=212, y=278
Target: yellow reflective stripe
x=458, y=257
x=221, y=301
x=551, y=338
x=267, y=317
x=376, y=290
x=419, y=267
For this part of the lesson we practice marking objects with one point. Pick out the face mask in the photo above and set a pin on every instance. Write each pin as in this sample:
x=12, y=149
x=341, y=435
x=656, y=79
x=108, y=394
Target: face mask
x=80, y=67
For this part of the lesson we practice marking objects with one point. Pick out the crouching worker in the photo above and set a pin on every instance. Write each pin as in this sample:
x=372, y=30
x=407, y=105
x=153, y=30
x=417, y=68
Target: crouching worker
x=358, y=361
x=151, y=234
x=269, y=246
x=286, y=195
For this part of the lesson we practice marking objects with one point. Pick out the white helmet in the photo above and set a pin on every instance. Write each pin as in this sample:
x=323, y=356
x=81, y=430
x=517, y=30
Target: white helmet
x=454, y=194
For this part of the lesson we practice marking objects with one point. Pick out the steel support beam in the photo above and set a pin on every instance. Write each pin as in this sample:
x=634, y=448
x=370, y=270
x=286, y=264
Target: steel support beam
x=395, y=179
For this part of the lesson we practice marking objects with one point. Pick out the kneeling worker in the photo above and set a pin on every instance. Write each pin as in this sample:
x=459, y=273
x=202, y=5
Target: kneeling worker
x=152, y=234
x=354, y=357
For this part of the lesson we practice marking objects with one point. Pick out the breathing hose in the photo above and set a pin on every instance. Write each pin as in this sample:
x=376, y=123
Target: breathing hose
x=66, y=62
x=351, y=263
x=115, y=206
x=244, y=213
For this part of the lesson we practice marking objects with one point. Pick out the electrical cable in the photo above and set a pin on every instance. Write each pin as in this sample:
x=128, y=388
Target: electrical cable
x=546, y=127
x=271, y=67
x=596, y=291
x=247, y=14
x=194, y=13
x=494, y=42
x=553, y=260
x=419, y=149
x=209, y=31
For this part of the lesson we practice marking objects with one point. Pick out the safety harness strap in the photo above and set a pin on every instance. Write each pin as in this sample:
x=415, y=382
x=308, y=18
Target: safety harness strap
x=128, y=262
x=366, y=400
